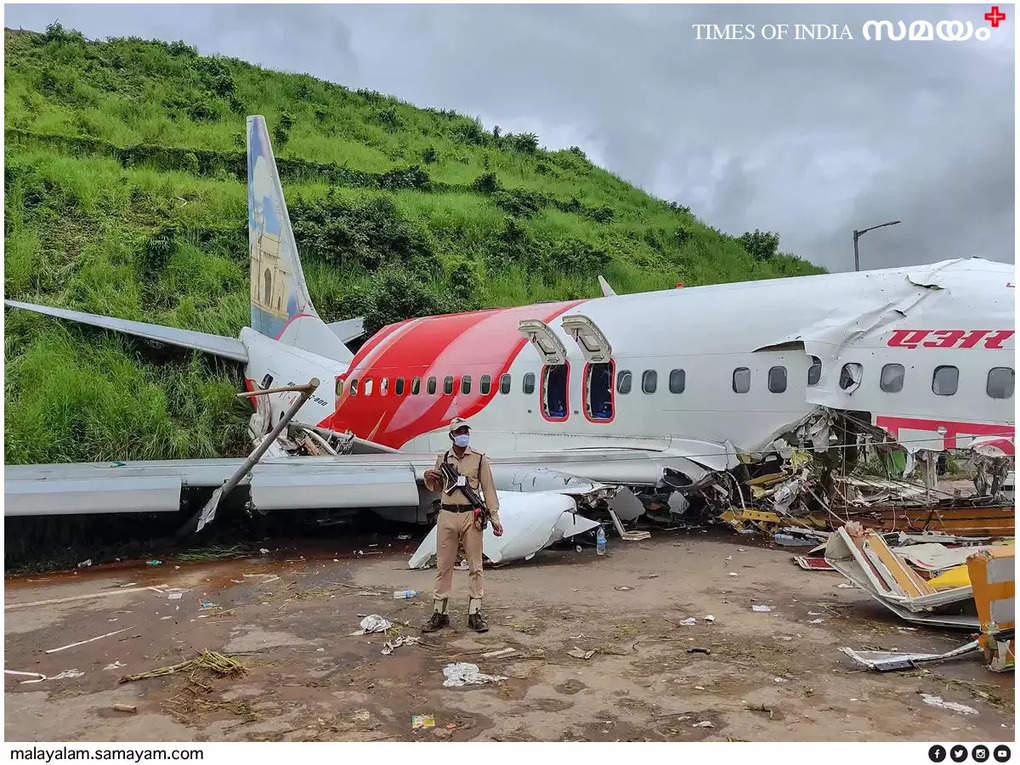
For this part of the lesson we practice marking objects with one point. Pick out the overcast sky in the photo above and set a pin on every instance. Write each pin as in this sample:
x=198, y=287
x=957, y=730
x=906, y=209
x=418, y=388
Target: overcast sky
x=807, y=138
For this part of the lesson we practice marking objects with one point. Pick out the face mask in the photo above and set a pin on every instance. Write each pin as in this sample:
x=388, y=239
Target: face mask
x=461, y=441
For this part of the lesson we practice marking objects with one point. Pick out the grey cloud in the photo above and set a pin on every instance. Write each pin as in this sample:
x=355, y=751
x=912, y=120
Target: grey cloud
x=808, y=138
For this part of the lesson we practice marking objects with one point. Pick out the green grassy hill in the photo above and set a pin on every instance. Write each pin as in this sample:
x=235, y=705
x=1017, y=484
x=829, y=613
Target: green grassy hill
x=125, y=195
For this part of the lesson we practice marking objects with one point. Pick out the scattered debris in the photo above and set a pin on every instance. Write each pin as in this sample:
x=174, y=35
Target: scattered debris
x=373, y=623
x=862, y=556
x=501, y=652
x=815, y=621
x=404, y=594
x=85, y=563
x=579, y=653
x=155, y=563
x=703, y=724
x=761, y=609
x=422, y=721
x=690, y=621
x=695, y=649
x=710, y=618
x=83, y=642
x=403, y=537
x=884, y=661
x=937, y=701
x=623, y=588
x=789, y=540
x=391, y=645
x=463, y=673
x=780, y=680
x=810, y=563
x=263, y=551
x=38, y=675
x=209, y=604
x=734, y=573
x=67, y=674
x=211, y=660
x=114, y=665
x=125, y=708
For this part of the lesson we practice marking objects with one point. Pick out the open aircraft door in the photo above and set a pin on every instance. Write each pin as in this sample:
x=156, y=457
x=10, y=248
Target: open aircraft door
x=599, y=370
x=545, y=341
x=589, y=338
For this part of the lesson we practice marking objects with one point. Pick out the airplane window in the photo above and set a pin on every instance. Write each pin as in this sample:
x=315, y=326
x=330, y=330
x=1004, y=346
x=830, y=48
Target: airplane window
x=599, y=391
x=649, y=381
x=554, y=391
x=529, y=383
x=1000, y=382
x=398, y=387
x=485, y=385
x=339, y=386
x=741, y=380
x=504, y=384
x=430, y=386
x=814, y=373
x=465, y=384
x=447, y=385
x=945, y=381
x=677, y=381
x=891, y=379
x=777, y=379
x=415, y=386
x=850, y=376
x=368, y=387
x=354, y=387
x=266, y=382
x=623, y=381
x=384, y=386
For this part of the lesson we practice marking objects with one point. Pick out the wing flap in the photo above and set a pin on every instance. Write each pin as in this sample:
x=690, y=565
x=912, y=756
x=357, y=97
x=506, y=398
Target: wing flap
x=218, y=345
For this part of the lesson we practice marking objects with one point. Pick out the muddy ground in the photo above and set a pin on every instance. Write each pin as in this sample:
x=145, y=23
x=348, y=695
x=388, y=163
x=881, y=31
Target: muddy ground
x=769, y=676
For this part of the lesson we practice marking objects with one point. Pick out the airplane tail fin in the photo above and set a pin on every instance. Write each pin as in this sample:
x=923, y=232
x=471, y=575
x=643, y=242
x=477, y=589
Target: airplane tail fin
x=280, y=305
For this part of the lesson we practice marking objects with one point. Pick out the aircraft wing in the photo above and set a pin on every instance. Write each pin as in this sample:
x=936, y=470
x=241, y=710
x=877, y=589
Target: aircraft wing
x=348, y=329
x=379, y=480
x=218, y=345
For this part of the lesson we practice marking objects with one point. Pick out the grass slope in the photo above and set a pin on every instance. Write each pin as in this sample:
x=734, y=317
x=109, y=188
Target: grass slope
x=125, y=195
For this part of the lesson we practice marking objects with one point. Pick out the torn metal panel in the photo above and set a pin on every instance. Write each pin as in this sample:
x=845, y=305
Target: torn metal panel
x=933, y=558
x=885, y=661
x=530, y=522
x=626, y=506
x=863, y=557
x=992, y=574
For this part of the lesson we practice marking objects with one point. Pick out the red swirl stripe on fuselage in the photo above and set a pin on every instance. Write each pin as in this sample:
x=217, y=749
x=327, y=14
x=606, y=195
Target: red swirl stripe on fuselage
x=476, y=343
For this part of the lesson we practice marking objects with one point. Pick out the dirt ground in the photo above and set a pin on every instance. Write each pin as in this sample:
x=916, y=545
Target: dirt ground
x=772, y=676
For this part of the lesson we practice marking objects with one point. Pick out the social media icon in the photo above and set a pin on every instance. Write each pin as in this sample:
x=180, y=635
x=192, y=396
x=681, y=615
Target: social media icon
x=1001, y=753
x=958, y=753
x=937, y=753
x=979, y=753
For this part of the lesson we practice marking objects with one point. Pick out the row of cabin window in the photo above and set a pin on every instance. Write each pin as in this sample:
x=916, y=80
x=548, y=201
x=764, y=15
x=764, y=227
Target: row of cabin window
x=945, y=380
x=484, y=385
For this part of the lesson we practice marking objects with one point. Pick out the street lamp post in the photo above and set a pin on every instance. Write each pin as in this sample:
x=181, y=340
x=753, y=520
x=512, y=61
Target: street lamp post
x=857, y=235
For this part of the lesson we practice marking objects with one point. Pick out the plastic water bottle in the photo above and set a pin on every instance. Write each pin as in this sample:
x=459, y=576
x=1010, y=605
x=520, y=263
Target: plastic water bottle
x=404, y=594
x=600, y=542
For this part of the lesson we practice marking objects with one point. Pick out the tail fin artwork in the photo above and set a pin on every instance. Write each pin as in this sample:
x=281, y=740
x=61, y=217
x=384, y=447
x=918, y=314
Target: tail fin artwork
x=280, y=305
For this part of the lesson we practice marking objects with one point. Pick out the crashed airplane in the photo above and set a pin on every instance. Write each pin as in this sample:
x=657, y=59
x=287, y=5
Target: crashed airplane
x=678, y=395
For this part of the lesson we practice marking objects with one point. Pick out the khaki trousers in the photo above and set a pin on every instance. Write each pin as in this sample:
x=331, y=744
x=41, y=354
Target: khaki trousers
x=452, y=531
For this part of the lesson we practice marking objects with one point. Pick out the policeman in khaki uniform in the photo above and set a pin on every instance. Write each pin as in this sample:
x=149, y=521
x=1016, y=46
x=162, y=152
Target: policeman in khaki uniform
x=456, y=526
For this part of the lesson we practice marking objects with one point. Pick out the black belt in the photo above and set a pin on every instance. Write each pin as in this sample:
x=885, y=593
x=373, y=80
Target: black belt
x=457, y=508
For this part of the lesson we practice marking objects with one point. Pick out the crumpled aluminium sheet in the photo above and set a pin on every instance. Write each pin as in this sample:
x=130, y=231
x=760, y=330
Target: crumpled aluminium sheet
x=531, y=521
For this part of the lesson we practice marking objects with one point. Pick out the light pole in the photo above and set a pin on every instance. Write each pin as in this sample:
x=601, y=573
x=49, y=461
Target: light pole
x=857, y=235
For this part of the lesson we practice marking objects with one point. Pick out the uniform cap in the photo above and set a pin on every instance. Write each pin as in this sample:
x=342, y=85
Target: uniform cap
x=457, y=423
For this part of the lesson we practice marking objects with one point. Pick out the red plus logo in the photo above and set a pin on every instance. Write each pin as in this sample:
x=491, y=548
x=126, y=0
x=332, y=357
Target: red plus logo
x=994, y=16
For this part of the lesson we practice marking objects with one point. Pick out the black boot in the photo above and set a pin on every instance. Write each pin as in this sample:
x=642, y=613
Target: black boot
x=477, y=622
x=436, y=622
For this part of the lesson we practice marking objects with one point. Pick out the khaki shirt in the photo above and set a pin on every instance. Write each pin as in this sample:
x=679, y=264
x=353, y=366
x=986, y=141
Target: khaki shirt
x=475, y=467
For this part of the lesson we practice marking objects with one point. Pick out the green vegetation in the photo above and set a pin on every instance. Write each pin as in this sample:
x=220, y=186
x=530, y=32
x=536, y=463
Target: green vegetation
x=125, y=195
